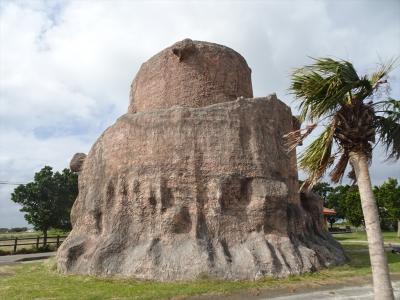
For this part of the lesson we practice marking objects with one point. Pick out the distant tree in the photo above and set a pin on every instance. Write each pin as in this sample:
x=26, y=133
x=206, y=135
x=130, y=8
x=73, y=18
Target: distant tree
x=388, y=199
x=351, y=207
x=47, y=201
x=19, y=229
x=322, y=189
x=342, y=200
x=67, y=190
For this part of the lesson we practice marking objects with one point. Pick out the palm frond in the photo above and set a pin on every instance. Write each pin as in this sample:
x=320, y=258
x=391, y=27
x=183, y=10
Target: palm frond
x=388, y=127
x=330, y=66
x=317, y=158
x=296, y=137
x=324, y=86
x=338, y=171
x=330, y=91
x=379, y=76
x=388, y=106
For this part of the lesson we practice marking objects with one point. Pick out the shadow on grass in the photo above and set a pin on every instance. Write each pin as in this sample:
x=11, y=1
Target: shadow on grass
x=343, y=238
x=362, y=260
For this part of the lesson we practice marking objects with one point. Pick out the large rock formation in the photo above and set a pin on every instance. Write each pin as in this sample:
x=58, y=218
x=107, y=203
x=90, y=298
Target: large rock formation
x=172, y=193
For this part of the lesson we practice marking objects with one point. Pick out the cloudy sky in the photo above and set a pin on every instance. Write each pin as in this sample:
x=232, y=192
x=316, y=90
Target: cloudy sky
x=66, y=66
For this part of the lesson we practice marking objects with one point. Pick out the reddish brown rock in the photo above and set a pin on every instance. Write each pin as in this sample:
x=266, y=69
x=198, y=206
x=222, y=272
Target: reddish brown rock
x=77, y=161
x=180, y=192
x=191, y=74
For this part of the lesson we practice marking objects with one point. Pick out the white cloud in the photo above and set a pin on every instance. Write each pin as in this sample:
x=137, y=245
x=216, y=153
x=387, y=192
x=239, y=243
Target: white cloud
x=66, y=66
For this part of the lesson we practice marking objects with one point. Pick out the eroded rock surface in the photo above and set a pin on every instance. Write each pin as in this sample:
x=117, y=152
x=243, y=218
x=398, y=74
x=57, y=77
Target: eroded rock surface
x=191, y=74
x=182, y=192
x=77, y=161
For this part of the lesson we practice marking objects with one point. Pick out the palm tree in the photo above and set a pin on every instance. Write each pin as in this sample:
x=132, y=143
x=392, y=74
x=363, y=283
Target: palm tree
x=333, y=96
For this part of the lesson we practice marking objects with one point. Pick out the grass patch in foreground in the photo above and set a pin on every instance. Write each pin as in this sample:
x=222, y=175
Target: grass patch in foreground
x=40, y=280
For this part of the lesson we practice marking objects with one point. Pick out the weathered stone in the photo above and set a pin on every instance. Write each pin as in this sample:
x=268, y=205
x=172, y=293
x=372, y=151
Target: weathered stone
x=77, y=161
x=192, y=74
x=176, y=193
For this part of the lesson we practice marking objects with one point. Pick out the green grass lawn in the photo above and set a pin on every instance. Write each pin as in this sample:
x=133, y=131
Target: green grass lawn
x=40, y=280
x=344, y=238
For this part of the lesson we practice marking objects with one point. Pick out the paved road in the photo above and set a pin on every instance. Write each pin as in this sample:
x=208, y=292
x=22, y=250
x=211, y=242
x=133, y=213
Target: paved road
x=355, y=293
x=18, y=258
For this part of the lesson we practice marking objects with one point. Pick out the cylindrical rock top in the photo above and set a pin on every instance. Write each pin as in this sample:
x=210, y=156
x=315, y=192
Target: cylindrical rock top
x=191, y=74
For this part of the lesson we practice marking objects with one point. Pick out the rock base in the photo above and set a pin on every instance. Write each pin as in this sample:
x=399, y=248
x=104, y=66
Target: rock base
x=180, y=193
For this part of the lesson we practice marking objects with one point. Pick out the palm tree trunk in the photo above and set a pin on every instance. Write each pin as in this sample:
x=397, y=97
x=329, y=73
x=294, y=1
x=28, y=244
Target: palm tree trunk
x=380, y=271
x=398, y=228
